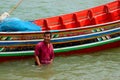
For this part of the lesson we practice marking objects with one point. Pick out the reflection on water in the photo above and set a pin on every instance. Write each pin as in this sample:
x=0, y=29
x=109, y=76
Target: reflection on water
x=103, y=65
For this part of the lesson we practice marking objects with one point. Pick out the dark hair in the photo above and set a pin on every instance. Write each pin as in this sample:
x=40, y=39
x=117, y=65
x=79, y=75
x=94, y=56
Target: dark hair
x=48, y=33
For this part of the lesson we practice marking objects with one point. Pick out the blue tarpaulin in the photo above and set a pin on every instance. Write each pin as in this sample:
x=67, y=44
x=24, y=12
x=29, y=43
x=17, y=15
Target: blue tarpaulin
x=15, y=24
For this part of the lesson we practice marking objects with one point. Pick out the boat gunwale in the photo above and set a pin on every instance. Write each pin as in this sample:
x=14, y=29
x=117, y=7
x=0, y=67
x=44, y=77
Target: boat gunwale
x=87, y=36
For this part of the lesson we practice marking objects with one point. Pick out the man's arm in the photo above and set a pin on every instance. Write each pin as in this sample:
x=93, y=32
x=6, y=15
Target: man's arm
x=37, y=60
x=37, y=52
x=52, y=54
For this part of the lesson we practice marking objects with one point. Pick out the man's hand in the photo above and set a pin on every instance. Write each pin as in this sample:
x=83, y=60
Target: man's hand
x=51, y=61
x=39, y=65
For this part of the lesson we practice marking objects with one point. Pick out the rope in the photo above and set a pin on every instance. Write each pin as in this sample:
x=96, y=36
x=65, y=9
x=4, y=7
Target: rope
x=10, y=11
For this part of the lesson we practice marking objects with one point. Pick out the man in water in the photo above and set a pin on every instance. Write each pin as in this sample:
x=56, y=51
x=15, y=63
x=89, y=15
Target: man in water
x=44, y=53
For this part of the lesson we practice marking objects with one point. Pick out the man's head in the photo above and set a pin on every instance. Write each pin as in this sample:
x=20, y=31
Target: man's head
x=47, y=37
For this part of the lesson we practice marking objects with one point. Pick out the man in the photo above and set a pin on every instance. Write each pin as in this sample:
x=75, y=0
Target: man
x=44, y=53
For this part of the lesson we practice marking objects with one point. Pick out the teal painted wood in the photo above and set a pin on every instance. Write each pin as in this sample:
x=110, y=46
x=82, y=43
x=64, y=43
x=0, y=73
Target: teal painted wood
x=64, y=39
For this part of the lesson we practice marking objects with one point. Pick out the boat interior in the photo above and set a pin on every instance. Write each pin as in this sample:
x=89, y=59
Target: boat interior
x=97, y=15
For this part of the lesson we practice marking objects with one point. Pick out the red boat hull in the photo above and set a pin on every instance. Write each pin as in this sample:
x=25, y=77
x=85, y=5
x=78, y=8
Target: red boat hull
x=92, y=49
x=83, y=51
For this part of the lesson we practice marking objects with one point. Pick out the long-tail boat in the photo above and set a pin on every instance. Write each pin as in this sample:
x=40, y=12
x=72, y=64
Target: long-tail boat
x=81, y=32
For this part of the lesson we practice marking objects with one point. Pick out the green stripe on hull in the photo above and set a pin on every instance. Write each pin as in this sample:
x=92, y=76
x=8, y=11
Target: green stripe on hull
x=85, y=46
x=60, y=50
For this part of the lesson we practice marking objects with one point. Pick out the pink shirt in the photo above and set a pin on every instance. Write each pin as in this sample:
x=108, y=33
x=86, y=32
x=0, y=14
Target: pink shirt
x=44, y=52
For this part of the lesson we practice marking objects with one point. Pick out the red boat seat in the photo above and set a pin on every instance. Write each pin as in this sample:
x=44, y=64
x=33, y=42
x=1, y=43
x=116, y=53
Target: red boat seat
x=53, y=23
x=68, y=21
x=101, y=14
x=114, y=9
x=102, y=18
x=42, y=23
x=39, y=22
x=84, y=18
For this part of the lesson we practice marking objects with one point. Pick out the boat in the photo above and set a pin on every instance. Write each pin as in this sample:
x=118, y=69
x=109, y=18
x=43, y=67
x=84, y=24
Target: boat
x=82, y=32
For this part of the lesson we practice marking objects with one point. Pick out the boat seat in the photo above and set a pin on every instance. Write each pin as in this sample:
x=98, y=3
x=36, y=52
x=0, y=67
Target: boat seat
x=101, y=14
x=40, y=22
x=54, y=23
x=114, y=9
x=84, y=18
x=115, y=15
x=85, y=22
x=68, y=21
x=102, y=18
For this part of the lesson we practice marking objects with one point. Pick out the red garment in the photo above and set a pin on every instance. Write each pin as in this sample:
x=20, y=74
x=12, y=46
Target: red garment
x=44, y=52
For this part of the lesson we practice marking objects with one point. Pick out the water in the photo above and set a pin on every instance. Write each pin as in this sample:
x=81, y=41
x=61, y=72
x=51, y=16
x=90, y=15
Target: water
x=34, y=9
x=104, y=65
